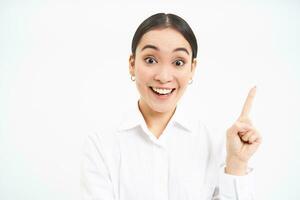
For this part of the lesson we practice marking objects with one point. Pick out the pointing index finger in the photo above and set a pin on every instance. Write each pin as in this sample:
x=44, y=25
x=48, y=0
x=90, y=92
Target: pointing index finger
x=248, y=103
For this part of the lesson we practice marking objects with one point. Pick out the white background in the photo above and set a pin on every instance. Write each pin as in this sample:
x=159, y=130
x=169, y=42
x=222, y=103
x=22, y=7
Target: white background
x=64, y=68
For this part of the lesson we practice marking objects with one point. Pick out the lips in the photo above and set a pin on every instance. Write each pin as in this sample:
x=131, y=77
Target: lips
x=162, y=91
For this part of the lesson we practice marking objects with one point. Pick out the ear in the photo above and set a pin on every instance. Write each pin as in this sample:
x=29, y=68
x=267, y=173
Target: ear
x=193, y=67
x=131, y=65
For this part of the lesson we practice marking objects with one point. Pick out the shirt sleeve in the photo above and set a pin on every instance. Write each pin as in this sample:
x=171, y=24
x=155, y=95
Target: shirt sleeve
x=95, y=180
x=232, y=187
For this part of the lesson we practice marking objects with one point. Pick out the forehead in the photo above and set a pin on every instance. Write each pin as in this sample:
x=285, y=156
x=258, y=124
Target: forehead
x=166, y=39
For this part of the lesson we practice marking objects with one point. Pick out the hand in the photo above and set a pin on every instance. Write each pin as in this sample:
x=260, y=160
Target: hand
x=242, y=140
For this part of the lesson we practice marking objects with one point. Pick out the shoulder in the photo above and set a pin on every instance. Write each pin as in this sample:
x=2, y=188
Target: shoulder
x=107, y=129
x=104, y=134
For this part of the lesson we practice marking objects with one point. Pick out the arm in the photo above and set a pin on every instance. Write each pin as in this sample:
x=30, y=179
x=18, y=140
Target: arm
x=242, y=141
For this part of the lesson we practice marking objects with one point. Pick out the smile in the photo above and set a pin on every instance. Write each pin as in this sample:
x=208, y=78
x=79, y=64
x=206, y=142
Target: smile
x=162, y=91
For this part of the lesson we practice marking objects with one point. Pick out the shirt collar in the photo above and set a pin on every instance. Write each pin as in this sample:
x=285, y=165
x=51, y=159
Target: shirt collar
x=183, y=118
x=133, y=118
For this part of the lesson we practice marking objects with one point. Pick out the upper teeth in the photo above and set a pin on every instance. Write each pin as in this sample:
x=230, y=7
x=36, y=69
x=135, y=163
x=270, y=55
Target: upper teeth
x=162, y=91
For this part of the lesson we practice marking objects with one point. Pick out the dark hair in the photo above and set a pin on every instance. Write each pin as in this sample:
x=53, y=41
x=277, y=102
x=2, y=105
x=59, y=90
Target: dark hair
x=162, y=20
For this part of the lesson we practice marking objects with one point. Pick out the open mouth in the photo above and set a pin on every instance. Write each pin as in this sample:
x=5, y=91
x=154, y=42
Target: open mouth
x=162, y=91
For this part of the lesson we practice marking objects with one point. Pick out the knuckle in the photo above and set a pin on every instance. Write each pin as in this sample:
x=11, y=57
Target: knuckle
x=237, y=125
x=252, y=138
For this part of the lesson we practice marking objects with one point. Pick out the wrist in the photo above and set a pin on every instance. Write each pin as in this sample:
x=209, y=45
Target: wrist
x=236, y=166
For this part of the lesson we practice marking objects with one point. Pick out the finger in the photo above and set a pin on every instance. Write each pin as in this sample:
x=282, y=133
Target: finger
x=256, y=138
x=248, y=103
x=242, y=133
x=241, y=127
x=259, y=139
x=253, y=138
x=247, y=136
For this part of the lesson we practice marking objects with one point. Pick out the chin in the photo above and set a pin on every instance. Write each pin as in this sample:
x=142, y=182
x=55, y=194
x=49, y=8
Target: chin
x=162, y=108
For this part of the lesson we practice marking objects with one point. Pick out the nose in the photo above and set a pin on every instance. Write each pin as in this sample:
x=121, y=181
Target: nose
x=164, y=75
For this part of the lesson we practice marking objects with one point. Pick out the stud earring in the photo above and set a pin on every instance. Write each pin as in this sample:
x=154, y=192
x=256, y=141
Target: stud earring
x=132, y=78
x=190, y=81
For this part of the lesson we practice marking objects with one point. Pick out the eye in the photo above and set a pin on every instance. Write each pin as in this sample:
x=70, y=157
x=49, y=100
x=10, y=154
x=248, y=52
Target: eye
x=150, y=60
x=179, y=63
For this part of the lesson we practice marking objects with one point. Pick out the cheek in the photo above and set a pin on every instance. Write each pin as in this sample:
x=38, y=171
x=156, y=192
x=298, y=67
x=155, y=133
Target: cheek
x=143, y=79
x=143, y=74
x=184, y=79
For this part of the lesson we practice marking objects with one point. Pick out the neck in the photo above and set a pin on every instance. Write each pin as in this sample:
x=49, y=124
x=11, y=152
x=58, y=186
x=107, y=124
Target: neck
x=156, y=121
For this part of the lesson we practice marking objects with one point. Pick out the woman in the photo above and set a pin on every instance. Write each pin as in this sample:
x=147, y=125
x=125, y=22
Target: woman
x=156, y=152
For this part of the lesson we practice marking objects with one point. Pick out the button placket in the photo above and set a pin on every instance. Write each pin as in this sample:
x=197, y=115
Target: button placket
x=161, y=183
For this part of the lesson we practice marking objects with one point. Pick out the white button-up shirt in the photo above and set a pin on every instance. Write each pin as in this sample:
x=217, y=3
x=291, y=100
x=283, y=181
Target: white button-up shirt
x=127, y=162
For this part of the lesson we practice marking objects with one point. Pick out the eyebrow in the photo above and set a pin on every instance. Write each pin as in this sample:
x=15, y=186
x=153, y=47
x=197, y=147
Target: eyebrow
x=157, y=49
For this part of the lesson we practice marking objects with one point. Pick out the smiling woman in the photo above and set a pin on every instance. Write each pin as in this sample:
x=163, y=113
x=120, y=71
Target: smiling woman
x=162, y=67
x=156, y=152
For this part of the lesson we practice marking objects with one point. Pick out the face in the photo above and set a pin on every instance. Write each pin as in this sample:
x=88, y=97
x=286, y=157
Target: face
x=162, y=68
